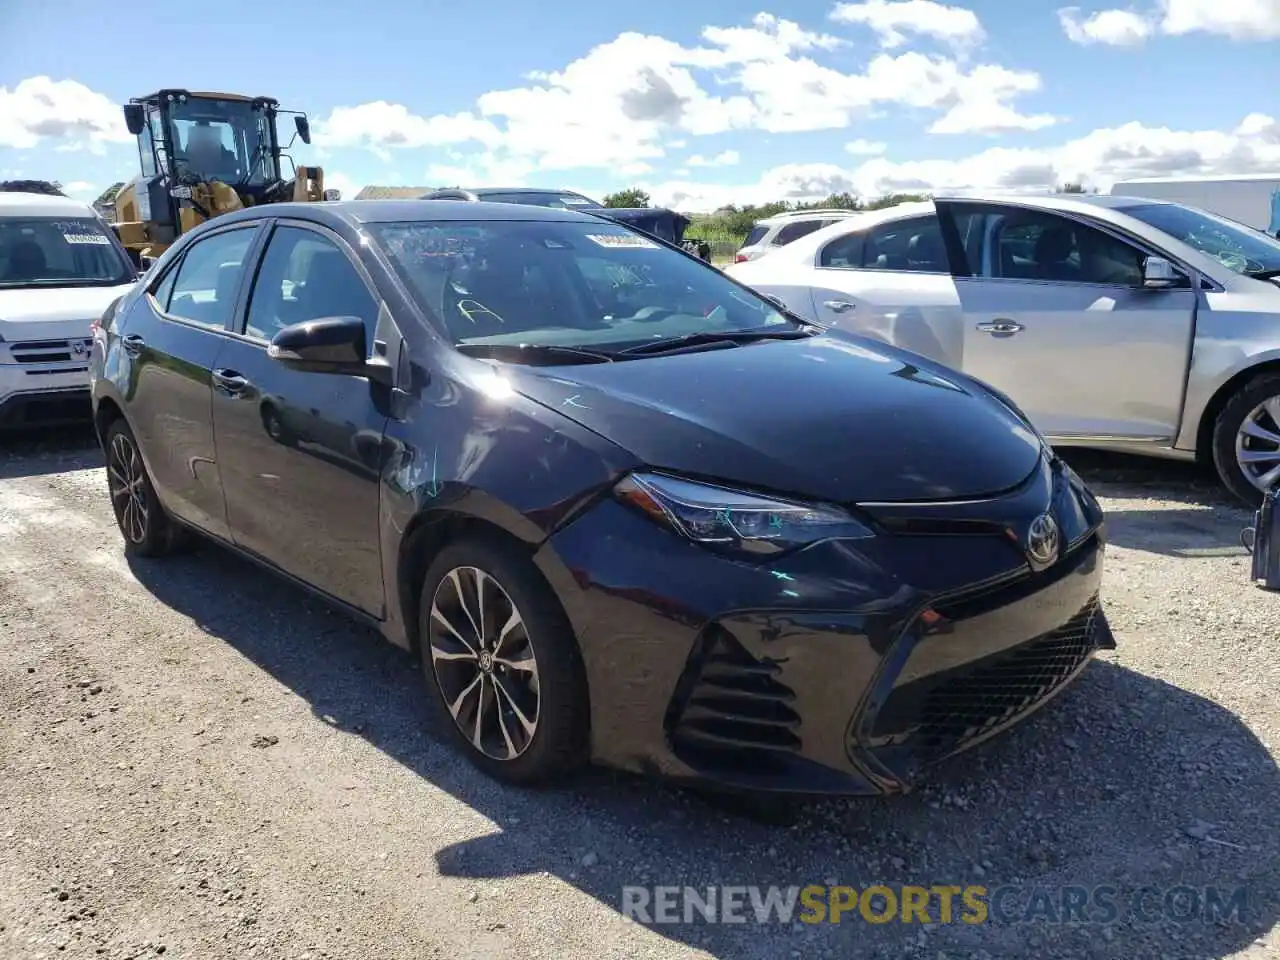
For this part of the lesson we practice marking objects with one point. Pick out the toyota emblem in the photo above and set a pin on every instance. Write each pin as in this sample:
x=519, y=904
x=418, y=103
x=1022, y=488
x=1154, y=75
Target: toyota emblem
x=1042, y=539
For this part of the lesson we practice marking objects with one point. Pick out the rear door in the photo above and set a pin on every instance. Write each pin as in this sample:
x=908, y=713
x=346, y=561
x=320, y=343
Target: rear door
x=891, y=281
x=300, y=451
x=1056, y=315
x=169, y=343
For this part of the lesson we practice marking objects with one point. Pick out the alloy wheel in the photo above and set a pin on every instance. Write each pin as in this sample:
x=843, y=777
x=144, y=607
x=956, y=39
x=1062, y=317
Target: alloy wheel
x=1258, y=445
x=126, y=480
x=483, y=660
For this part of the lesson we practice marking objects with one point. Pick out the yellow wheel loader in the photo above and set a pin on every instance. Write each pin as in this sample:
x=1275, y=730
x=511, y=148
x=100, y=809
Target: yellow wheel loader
x=202, y=155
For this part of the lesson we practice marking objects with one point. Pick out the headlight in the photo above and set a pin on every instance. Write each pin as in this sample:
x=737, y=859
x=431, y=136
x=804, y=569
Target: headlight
x=725, y=519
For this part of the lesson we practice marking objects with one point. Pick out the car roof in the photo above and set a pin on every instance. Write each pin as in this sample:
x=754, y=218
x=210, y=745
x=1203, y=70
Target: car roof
x=357, y=212
x=481, y=191
x=797, y=215
x=14, y=204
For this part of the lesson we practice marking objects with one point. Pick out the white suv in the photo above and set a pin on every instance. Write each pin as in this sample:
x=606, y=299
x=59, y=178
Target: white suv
x=779, y=230
x=60, y=268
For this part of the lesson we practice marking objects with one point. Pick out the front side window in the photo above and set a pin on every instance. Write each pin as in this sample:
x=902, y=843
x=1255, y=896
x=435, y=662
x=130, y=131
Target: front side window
x=204, y=290
x=305, y=276
x=913, y=245
x=1031, y=245
x=1236, y=247
x=62, y=252
x=564, y=283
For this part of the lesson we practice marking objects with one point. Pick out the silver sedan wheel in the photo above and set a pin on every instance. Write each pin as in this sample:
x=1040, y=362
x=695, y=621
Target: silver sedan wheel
x=1258, y=445
x=483, y=660
x=125, y=478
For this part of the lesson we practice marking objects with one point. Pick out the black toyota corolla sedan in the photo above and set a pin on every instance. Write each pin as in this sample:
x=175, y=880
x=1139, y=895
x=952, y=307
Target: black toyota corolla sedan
x=624, y=509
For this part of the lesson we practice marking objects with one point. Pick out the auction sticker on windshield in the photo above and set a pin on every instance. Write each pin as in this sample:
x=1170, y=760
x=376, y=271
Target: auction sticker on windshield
x=621, y=240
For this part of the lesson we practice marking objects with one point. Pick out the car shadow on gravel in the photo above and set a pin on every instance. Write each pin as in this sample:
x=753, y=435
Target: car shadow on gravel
x=1158, y=804
x=1190, y=515
x=30, y=453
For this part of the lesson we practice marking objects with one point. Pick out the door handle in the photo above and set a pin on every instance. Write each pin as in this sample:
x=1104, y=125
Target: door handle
x=1001, y=328
x=839, y=306
x=229, y=381
x=133, y=344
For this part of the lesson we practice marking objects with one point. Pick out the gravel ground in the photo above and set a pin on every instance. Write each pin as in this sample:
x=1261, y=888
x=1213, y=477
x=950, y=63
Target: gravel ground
x=202, y=762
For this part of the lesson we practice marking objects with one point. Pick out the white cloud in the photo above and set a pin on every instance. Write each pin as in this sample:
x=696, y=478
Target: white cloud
x=336, y=180
x=862, y=147
x=628, y=101
x=727, y=158
x=81, y=188
x=1097, y=159
x=1115, y=28
x=1237, y=19
x=894, y=21
x=42, y=109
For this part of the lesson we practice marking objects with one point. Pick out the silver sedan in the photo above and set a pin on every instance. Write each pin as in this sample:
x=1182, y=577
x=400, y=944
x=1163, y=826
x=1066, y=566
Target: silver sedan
x=1114, y=322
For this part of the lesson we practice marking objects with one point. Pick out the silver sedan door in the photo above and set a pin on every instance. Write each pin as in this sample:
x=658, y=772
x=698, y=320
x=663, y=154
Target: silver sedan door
x=1057, y=316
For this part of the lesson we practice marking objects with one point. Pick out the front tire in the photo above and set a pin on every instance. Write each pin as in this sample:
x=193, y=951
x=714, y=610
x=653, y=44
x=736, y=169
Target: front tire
x=146, y=528
x=1246, y=439
x=502, y=664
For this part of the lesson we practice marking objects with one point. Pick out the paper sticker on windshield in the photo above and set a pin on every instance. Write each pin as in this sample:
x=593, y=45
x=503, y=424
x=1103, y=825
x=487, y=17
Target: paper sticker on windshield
x=624, y=240
x=94, y=238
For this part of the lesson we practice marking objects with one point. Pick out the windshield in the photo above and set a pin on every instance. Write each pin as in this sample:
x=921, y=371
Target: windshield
x=42, y=251
x=544, y=283
x=1232, y=244
x=226, y=140
x=556, y=199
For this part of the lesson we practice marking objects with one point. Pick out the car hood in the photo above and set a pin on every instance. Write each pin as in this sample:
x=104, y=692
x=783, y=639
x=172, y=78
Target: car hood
x=835, y=418
x=40, y=313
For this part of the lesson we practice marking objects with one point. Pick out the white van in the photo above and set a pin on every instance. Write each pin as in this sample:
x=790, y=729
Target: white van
x=61, y=266
x=1253, y=199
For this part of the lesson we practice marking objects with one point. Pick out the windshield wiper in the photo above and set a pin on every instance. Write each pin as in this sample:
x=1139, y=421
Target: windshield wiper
x=729, y=336
x=1263, y=274
x=534, y=352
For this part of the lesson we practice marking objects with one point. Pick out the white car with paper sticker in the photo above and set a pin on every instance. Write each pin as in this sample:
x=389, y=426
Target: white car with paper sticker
x=60, y=269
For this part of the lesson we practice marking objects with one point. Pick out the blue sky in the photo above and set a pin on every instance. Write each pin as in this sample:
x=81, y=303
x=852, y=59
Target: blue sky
x=700, y=103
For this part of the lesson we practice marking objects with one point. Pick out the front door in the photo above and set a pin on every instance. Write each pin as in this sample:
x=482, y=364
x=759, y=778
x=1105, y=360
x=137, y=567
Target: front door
x=172, y=336
x=1056, y=315
x=299, y=452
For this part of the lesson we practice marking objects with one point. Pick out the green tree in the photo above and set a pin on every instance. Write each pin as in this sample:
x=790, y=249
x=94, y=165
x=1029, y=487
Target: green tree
x=631, y=197
x=50, y=188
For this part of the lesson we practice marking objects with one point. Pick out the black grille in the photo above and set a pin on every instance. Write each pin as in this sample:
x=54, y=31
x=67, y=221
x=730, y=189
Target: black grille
x=41, y=351
x=730, y=708
x=940, y=715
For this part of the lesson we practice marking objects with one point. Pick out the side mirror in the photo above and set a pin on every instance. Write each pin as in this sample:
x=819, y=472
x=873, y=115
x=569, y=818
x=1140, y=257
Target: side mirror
x=303, y=126
x=1158, y=274
x=328, y=345
x=134, y=118
x=333, y=194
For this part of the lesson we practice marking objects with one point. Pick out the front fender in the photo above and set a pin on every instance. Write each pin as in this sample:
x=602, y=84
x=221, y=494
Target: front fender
x=1213, y=368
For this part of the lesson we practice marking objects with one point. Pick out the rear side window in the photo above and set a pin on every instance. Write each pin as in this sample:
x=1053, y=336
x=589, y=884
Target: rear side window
x=843, y=252
x=755, y=236
x=205, y=286
x=794, y=231
x=914, y=245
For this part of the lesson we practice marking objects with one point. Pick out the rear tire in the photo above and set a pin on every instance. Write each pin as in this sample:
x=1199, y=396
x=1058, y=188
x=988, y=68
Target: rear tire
x=1240, y=432
x=502, y=664
x=146, y=527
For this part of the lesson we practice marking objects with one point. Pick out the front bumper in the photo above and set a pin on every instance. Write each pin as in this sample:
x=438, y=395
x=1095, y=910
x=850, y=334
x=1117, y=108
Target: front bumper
x=848, y=668
x=44, y=383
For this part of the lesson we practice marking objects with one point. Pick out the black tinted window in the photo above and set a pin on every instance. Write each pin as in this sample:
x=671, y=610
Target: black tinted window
x=794, y=231
x=843, y=251
x=913, y=245
x=305, y=276
x=1043, y=246
x=204, y=291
